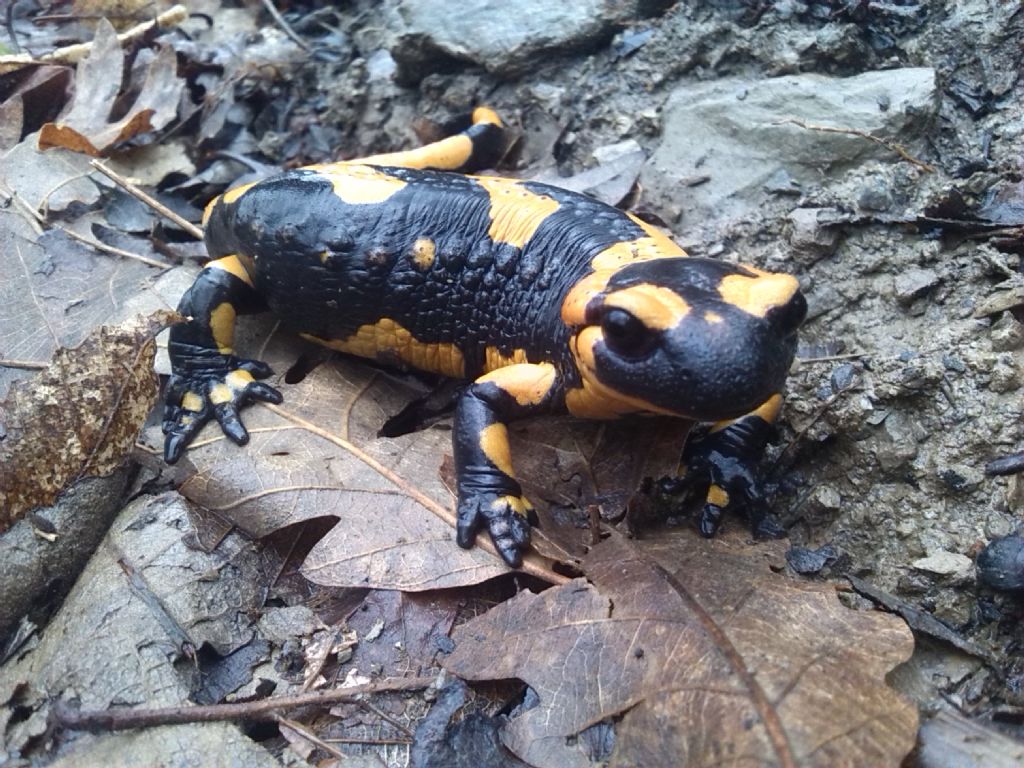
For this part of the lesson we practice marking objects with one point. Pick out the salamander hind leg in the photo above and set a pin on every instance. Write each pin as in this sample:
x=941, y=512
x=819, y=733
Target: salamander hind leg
x=480, y=146
x=208, y=381
x=488, y=493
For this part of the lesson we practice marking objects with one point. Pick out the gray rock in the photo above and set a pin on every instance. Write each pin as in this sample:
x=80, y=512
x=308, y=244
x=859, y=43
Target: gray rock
x=738, y=132
x=809, y=231
x=944, y=563
x=500, y=36
x=874, y=196
x=1007, y=334
x=913, y=283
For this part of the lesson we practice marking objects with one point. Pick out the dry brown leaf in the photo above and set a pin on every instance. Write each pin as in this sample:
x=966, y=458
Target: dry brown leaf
x=572, y=464
x=87, y=127
x=29, y=97
x=713, y=659
x=78, y=418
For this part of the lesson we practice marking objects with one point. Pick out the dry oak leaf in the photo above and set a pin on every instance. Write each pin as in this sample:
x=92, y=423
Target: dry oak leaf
x=318, y=455
x=30, y=97
x=87, y=127
x=713, y=659
x=78, y=418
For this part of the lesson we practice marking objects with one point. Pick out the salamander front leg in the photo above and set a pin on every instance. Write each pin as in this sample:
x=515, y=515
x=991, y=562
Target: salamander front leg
x=727, y=457
x=208, y=381
x=488, y=492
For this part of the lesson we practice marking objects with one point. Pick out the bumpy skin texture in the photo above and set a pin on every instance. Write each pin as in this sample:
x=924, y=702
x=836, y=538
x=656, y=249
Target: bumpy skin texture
x=545, y=299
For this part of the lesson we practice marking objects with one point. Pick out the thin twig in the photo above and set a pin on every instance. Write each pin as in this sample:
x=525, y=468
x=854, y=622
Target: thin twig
x=38, y=220
x=379, y=742
x=311, y=737
x=284, y=25
x=149, y=200
x=385, y=716
x=890, y=145
x=30, y=214
x=830, y=358
x=123, y=718
x=111, y=249
x=72, y=54
x=28, y=365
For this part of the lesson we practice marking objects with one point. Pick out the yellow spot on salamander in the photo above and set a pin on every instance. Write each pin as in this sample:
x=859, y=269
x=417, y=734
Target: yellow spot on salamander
x=516, y=212
x=359, y=184
x=642, y=249
x=760, y=293
x=222, y=323
x=221, y=393
x=493, y=359
x=423, y=252
x=713, y=317
x=718, y=496
x=768, y=411
x=233, y=194
x=574, y=306
x=517, y=504
x=234, y=266
x=444, y=155
x=528, y=383
x=486, y=115
x=238, y=379
x=494, y=444
x=657, y=307
x=226, y=199
x=192, y=401
x=389, y=342
x=660, y=240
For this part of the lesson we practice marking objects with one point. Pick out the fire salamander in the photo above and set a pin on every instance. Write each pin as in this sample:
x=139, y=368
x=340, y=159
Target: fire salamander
x=543, y=299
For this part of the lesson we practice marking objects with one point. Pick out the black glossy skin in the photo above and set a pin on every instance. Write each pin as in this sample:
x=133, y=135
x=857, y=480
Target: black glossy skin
x=517, y=293
x=477, y=293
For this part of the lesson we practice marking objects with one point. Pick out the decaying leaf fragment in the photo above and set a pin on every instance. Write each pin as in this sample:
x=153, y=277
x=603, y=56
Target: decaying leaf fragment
x=713, y=659
x=79, y=417
x=87, y=127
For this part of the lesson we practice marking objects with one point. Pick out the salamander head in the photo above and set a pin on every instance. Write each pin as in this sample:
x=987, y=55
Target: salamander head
x=698, y=338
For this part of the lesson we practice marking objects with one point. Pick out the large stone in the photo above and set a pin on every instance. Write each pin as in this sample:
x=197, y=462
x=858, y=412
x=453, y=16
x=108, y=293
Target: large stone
x=500, y=36
x=739, y=134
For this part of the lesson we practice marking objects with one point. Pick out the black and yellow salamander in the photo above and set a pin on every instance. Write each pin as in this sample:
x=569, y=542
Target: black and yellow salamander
x=543, y=299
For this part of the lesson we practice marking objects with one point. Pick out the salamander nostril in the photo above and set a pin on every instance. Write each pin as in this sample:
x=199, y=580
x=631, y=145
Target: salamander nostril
x=788, y=317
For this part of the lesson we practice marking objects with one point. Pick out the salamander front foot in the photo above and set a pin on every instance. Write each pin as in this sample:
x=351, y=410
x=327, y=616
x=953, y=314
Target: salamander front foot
x=728, y=459
x=506, y=518
x=197, y=396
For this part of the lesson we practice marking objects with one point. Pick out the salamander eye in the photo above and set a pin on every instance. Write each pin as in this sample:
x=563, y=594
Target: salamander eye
x=625, y=334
